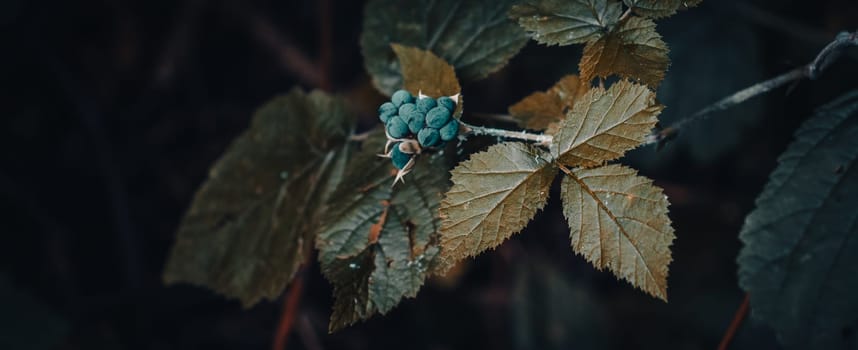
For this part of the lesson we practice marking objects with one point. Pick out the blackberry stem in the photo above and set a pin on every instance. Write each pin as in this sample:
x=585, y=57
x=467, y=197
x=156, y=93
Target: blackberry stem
x=541, y=139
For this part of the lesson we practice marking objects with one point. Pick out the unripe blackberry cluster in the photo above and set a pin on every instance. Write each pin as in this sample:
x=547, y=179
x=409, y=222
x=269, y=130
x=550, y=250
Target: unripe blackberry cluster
x=408, y=118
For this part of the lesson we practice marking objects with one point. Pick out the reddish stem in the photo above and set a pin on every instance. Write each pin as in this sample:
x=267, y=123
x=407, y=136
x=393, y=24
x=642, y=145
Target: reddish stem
x=737, y=321
x=290, y=311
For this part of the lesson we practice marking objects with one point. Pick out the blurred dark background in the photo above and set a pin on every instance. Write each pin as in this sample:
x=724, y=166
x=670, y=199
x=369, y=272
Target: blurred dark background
x=112, y=112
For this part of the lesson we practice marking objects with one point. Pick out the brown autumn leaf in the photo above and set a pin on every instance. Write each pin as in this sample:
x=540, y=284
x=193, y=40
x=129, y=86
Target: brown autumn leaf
x=494, y=195
x=423, y=71
x=631, y=50
x=603, y=125
x=618, y=220
x=541, y=109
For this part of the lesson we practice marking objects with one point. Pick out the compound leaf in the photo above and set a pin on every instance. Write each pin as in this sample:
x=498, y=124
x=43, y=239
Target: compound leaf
x=654, y=8
x=378, y=242
x=603, y=125
x=799, y=262
x=633, y=49
x=251, y=222
x=540, y=110
x=618, y=220
x=424, y=72
x=494, y=195
x=474, y=36
x=558, y=22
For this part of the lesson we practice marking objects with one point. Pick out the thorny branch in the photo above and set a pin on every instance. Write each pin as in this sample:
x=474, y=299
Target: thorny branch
x=542, y=139
x=468, y=129
x=810, y=71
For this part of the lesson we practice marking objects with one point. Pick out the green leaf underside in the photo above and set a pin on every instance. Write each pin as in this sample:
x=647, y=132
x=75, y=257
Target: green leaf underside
x=542, y=110
x=494, y=195
x=372, y=272
x=474, y=36
x=618, y=220
x=251, y=222
x=654, y=8
x=799, y=262
x=559, y=22
x=631, y=50
x=603, y=125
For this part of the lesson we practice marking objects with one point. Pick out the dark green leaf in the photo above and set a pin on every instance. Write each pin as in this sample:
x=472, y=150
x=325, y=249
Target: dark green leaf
x=351, y=288
x=654, y=8
x=564, y=22
x=379, y=242
x=252, y=221
x=474, y=36
x=399, y=268
x=800, y=259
